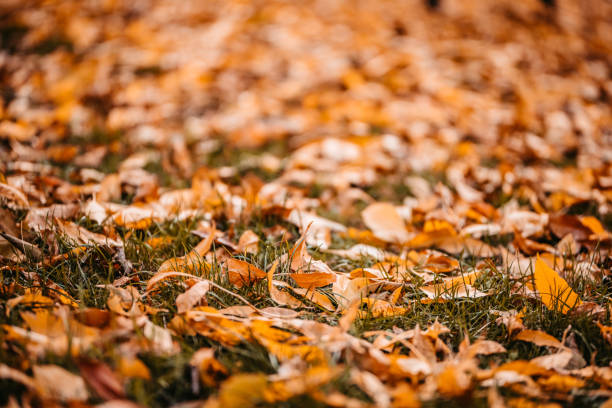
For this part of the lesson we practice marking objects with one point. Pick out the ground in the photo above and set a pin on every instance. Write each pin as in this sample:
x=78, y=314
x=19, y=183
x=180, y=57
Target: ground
x=321, y=203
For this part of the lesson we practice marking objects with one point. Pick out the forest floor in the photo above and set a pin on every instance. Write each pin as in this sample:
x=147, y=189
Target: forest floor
x=319, y=203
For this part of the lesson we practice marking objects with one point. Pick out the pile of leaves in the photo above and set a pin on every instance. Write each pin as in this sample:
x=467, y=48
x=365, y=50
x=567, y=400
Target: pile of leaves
x=317, y=203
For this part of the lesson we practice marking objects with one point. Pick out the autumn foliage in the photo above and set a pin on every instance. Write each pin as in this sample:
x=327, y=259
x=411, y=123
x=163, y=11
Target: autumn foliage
x=317, y=203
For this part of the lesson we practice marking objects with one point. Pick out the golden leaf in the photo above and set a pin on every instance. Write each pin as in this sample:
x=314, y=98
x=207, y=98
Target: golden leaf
x=554, y=291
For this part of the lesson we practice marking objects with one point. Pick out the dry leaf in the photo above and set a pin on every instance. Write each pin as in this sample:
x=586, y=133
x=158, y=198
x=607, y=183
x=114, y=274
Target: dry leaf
x=209, y=368
x=538, y=338
x=192, y=296
x=248, y=242
x=554, y=290
x=242, y=273
x=54, y=382
x=132, y=367
x=313, y=279
x=102, y=379
x=279, y=296
x=385, y=222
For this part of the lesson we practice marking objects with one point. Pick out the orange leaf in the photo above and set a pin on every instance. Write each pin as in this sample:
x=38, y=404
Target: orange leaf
x=385, y=222
x=538, y=338
x=606, y=332
x=132, y=367
x=554, y=291
x=313, y=279
x=241, y=273
x=363, y=236
x=595, y=226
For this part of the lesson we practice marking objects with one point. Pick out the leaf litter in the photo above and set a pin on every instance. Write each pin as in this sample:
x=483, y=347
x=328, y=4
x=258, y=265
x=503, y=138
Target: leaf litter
x=237, y=204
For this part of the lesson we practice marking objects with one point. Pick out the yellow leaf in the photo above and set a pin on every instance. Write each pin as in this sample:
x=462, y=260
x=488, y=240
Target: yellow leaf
x=243, y=391
x=439, y=225
x=31, y=298
x=158, y=242
x=363, y=236
x=300, y=382
x=316, y=297
x=524, y=367
x=595, y=226
x=193, y=260
x=554, y=291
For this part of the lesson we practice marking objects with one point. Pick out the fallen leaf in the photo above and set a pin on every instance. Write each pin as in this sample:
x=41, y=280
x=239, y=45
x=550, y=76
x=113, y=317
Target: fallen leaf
x=9, y=373
x=55, y=383
x=248, y=242
x=188, y=299
x=485, y=347
x=385, y=222
x=210, y=370
x=241, y=391
x=101, y=379
x=242, y=273
x=279, y=296
x=453, y=381
x=313, y=279
x=606, y=332
x=83, y=236
x=538, y=338
x=563, y=360
x=132, y=367
x=13, y=197
x=554, y=291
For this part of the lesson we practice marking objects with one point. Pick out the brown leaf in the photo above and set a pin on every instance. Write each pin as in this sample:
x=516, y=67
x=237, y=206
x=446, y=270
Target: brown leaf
x=102, y=379
x=14, y=197
x=485, y=347
x=561, y=225
x=209, y=368
x=83, y=236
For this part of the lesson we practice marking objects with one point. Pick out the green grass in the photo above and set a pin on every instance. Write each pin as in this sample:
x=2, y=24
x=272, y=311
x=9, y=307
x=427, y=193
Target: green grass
x=81, y=277
x=171, y=376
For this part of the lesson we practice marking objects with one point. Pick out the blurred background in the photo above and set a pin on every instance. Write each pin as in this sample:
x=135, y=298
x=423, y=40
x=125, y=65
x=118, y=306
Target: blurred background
x=187, y=78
